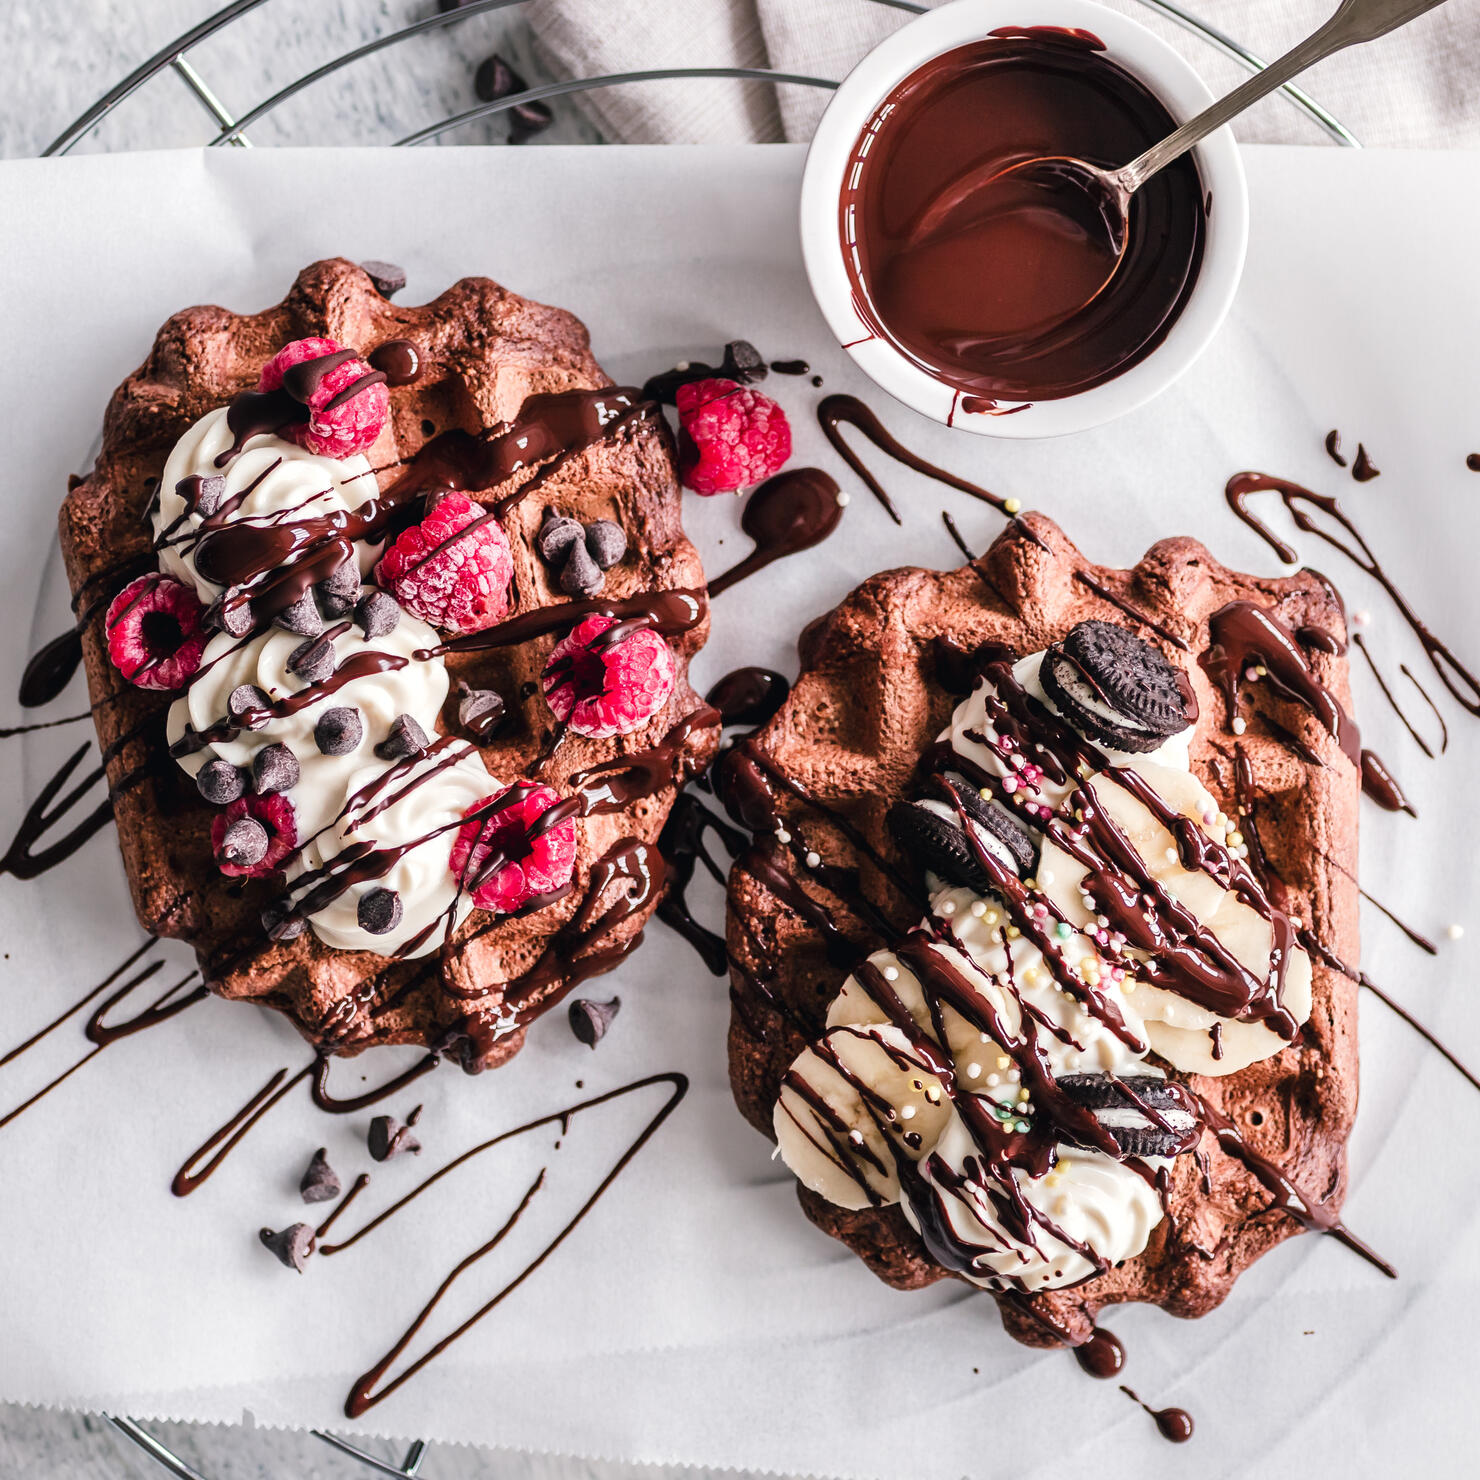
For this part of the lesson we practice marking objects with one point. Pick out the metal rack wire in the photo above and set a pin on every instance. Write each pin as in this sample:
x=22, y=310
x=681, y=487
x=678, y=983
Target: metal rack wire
x=232, y=131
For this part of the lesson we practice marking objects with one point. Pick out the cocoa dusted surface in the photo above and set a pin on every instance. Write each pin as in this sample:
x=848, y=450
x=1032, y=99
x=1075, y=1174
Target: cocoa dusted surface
x=483, y=351
x=866, y=705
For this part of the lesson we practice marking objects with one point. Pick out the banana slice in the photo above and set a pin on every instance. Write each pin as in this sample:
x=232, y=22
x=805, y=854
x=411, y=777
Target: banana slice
x=1181, y=1031
x=839, y=1148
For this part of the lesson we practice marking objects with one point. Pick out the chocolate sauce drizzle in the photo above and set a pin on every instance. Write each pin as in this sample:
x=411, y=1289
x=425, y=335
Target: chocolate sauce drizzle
x=1387, y=693
x=1174, y=1424
x=371, y=1388
x=837, y=411
x=1461, y=682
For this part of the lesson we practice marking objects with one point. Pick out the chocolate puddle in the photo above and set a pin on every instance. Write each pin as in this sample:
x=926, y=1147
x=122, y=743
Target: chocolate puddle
x=788, y=513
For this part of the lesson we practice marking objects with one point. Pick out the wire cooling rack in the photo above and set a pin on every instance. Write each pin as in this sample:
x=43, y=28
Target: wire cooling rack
x=232, y=132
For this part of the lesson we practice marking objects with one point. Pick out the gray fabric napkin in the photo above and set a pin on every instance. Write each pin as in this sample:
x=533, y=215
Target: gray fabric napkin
x=1418, y=86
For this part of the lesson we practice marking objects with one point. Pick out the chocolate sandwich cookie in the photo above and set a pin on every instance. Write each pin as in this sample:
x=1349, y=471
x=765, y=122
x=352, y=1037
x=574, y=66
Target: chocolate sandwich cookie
x=1147, y=1115
x=930, y=831
x=1115, y=688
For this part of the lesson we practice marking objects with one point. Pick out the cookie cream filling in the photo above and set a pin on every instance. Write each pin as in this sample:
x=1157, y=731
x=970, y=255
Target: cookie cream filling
x=390, y=682
x=276, y=481
x=403, y=819
x=873, y=1115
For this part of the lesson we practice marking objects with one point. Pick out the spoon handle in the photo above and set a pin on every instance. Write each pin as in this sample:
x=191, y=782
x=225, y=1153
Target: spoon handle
x=1355, y=21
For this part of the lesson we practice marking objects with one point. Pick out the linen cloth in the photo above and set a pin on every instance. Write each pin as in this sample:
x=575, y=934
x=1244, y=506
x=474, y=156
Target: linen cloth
x=1415, y=87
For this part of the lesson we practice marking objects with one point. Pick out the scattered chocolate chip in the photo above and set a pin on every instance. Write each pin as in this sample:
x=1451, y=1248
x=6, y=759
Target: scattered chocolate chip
x=406, y=738
x=385, y=277
x=281, y=922
x=320, y=1182
x=580, y=575
x=339, y=730
x=589, y=1020
x=244, y=843
x=235, y=620
x=376, y=614
x=313, y=659
x=496, y=79
x=388, y=1138
x=274, y=768
x=338, y=595
x=249, y=703
x=558, y=535
x=219, y=782
x=379, y=911
x=742, y=362
x=202, y=495
x=606, y=542
x=292, y=1246
x=302, y=617
x=480, y=711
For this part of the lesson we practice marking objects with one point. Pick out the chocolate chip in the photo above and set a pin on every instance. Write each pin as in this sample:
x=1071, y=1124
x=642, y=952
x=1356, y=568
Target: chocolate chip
x=338, y=595
x=292, y=1246
x=1115, y=688
x=235, y=619
x=219, y=782
x=339, y=730
x=581, y=576
x=244, y=843
x=742, y=362
x=274, y=768
x=406, y=738
x=379, y=911
x=480, y=711
x=320, y=1183
x=202, y=495
x=606, y=542
x=589, y=1020
x=558, y=534
x=281, y=922
x=249, y=706
x=388, y=1138
x=496, y=79
x=385, y=277
x=313, y=660
x=376, y=614
x=302, y=617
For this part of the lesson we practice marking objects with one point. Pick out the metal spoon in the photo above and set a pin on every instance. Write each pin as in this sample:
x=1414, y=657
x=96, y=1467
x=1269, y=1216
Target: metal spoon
x=1098, y=201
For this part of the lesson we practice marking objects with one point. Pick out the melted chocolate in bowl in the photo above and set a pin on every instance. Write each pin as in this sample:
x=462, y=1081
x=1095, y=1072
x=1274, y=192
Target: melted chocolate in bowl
x=994, y=291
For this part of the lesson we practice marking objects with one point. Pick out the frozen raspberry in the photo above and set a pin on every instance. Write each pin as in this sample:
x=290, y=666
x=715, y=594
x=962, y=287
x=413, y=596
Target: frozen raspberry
x=459, y=582
x=601, y=690
x=331, y=430
x=523, y=866
x=730, y=436
x=156, y=633
x=275, y=813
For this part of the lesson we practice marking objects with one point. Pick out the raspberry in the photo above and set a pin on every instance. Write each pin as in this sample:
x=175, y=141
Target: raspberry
x=156, y=632
x=603, y=691
x=730, y=436
x=338, y=431
x=275, y=813
x=457, y=582
x=531, y=866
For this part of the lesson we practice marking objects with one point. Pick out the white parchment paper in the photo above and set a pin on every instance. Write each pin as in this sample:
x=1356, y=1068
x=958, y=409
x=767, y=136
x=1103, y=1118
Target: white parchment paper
x=696, y=1316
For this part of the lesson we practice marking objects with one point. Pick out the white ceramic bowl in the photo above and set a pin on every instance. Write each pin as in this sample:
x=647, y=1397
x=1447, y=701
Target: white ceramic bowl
x=1140, y=53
